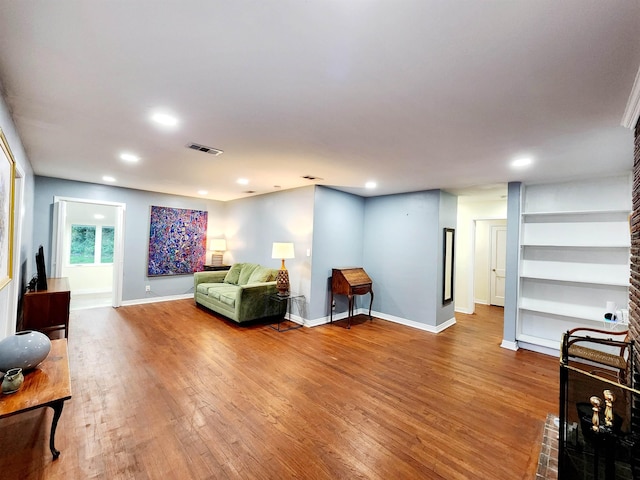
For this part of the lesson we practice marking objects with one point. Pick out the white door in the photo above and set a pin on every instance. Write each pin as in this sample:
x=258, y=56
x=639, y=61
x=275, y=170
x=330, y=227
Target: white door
x=498, y=264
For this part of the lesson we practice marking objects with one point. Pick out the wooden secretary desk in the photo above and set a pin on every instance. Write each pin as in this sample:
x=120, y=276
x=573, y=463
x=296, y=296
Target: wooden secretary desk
x=350, y=281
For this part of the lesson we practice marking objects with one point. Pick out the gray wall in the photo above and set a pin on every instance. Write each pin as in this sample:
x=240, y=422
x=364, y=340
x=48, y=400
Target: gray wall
x=136, y=229
x=22, y=271
x=447, y=219
x=254, y=223
x=513, y=250
x=337, y=242
x=402, y=254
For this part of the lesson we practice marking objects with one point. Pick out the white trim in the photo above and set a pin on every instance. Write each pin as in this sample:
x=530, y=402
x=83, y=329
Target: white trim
x=14, y=287
x=464, y=311
x=632, y=112
x=383, y=316
x=509, y=345
x=414, y=324
x=539, y=348
x=170, y=298
x=336, y=316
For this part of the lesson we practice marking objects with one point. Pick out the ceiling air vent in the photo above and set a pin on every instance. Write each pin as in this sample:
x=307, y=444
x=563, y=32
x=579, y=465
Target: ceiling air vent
x=205, y=149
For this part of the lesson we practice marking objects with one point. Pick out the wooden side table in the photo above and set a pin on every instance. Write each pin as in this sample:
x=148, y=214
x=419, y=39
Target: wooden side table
x=47, y=385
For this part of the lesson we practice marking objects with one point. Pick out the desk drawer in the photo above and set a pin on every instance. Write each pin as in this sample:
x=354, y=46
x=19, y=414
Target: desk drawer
x=361, y=289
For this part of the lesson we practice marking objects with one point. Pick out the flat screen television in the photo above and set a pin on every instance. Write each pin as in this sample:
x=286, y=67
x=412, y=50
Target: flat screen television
x=41, y=283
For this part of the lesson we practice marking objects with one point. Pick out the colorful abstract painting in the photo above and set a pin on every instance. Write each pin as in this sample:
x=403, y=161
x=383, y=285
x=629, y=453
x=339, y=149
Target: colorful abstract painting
x=177, y=241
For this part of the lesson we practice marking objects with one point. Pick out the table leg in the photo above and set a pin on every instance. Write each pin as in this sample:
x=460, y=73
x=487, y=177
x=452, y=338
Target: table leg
x=331, y=308
x=350, y=313
x=57, y=411
x=370, y=304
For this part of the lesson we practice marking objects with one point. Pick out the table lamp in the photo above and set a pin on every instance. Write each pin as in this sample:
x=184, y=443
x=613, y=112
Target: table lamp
x=282, y=251
x=218, y=246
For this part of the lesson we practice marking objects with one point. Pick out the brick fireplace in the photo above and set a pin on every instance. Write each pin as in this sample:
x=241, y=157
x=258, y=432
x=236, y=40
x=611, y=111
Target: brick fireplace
x=634, y=291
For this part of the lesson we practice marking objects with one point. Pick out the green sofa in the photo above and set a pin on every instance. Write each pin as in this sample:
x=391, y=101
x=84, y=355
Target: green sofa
x=240, y=293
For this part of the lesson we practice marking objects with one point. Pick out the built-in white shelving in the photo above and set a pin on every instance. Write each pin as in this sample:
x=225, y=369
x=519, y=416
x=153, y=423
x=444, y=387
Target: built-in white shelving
x=574, y=257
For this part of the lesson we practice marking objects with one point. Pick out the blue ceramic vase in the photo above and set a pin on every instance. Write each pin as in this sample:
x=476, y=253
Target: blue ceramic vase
x=23, y=350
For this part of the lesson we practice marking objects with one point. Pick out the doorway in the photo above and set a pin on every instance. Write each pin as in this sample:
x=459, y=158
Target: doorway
x=87, y=249
x=490, y=262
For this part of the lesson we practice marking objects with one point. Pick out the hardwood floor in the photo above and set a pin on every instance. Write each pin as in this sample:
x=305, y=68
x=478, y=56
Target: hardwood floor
x=168, y=390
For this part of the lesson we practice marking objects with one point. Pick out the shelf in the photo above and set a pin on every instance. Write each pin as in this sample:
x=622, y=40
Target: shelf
x=576, y=212
x=543, y=342
x=585, y=280
x=579, y=312
x=592, y=244
x=574, y=257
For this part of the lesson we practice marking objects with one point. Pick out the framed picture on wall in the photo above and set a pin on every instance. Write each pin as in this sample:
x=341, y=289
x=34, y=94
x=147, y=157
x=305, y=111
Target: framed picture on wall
x=177, y=241
x=447, y=284
x=7, y=177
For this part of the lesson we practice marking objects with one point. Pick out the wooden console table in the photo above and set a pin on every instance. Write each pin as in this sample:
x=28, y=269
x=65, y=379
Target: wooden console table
x=47, y=385
x=48, y=310
x=350, y=282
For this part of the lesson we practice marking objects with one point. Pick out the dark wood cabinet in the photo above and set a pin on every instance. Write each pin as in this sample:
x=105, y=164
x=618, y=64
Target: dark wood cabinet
x=215, y=268
x=48, y=310
x=350, y=281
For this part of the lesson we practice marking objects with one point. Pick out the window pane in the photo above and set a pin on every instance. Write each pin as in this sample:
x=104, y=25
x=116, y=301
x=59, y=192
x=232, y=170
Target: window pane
x=106, y=255
x=83, y=244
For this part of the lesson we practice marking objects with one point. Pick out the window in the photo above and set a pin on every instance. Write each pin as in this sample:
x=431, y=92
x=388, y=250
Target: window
x=106, y=250
x=83, y=244
x=91, y=244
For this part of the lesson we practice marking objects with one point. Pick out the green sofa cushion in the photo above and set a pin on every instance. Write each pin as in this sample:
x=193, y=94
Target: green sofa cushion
x=260, y=274
x=204, y=287
x=228, y=296
x=233, y=274
x=245, y=273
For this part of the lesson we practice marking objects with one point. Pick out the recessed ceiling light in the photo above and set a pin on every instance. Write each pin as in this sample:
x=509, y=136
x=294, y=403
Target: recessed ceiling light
x=98, y=216
x=370, y=185
x=202, y=192
x=243, y=181
x=108, y=178
x=129, y=157
x=164, y=119
x=521, y=162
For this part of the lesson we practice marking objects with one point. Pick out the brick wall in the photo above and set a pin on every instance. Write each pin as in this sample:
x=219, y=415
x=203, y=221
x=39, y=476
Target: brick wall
x=634, y=299
x=634, y=292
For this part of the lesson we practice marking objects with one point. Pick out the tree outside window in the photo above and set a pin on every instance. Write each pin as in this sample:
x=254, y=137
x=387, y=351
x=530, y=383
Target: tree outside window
x=106, y=250
x=83, y=244
x=91, y=244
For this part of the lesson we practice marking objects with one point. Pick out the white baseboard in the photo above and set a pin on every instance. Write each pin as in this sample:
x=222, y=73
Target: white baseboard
x=170, y=298
x=509, y=345
x=481, y=302
x=466, y=311
x=539, y=348
x=336, y=316
x=414, y=324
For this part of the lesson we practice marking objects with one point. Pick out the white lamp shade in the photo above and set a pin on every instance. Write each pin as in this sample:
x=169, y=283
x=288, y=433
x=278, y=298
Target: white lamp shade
x=218, y=245
x=282, y=250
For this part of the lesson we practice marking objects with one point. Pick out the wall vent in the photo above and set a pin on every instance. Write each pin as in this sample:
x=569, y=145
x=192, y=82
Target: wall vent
x=205, y=149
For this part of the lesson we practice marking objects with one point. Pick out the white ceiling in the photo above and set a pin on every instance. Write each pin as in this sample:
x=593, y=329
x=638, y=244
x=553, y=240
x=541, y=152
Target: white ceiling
x=414, y=94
